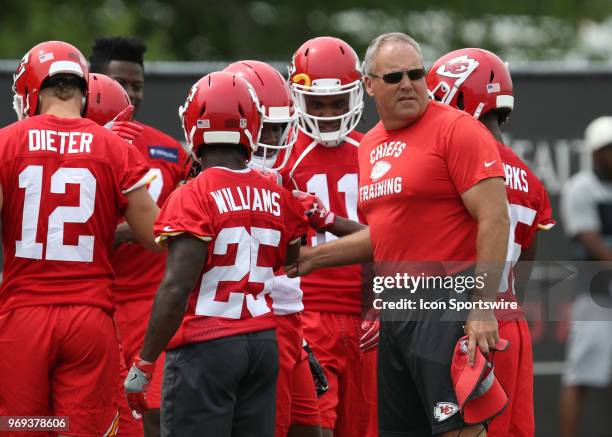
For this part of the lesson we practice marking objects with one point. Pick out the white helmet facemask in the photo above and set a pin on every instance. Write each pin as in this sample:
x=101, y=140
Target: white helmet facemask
x=266, y=161
x=309, y=124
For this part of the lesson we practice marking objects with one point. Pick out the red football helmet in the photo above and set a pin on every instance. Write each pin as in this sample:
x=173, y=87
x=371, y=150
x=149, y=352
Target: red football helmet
x=42, y=61
x=474, y=80
x=326, y=66
x=106, y=98
x=275, y=98
x=221, y=108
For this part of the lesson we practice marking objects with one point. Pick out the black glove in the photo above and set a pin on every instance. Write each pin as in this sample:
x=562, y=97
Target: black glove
x=318, y=374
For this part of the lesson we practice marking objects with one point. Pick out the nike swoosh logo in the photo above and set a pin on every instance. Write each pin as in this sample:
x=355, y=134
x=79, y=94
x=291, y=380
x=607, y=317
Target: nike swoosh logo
x=168, y=229
x=133, y=378
x=489, y=164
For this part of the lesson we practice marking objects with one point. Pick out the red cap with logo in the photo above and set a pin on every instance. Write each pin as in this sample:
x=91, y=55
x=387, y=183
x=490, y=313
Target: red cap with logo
x=479, y=394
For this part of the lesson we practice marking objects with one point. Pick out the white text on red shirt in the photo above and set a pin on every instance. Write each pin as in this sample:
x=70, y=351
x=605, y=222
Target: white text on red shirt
x=516, y=178
x=57, y=141
x=390, y=148
x=247, y=198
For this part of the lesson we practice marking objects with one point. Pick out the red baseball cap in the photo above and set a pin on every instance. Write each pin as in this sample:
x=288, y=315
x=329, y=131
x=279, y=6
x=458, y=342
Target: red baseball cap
x=479, y=394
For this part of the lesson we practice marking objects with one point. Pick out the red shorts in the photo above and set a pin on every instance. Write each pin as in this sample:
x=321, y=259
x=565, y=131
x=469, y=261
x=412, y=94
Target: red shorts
x=132, y=320
x=57, y=361
x=514, y=370
x=296, y=397
x=349, y=407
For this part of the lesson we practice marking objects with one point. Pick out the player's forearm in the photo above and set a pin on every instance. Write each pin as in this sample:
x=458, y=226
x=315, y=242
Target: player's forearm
x=143, y=230
x=492, y=248
x=343, y=226
x=140, y=216
x=166, y=316
x=186, y=255
x=352, y=249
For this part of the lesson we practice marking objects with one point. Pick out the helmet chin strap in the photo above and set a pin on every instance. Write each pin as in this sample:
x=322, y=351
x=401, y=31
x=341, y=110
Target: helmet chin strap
x=331, y=143
x=334, y=138
x=317, y=135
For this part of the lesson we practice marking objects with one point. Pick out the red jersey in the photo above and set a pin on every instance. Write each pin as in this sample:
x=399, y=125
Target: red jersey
x=248, y=221
x=411, y=180
x=138, y=271
x=331, y=173
x=529, y=211
x=63, y=182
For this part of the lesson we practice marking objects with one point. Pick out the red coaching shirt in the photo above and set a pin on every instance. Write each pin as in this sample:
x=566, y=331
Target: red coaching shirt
x=411, y=180
x=139, y=271
x=63, y=183
x=248, y=222
x=529, y=212
x=332, y=174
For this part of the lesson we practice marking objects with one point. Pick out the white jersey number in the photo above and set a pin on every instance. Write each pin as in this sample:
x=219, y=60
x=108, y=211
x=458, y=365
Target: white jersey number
x=518, y=214
x=245, y=264
x=31, y=179
x=156, y=185
x=348, y=185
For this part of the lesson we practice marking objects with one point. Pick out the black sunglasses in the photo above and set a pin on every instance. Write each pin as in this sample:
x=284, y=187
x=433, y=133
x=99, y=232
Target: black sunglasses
x=396, y=76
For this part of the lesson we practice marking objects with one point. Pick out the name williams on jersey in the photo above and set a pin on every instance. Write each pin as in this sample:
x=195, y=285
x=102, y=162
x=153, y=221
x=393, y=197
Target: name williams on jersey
x=247, y=198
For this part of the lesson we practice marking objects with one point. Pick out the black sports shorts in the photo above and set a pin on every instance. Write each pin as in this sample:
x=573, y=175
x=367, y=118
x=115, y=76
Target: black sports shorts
x=415, y=391
x=223, y=387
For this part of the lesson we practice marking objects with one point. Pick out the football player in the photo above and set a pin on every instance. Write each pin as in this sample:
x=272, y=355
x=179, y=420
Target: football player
x=137, y=272
x=297, y=411
x=325, y=79
x=108, y=104
x=64, y=181
x=478, y=82
x=227, y=231
x=279, y=131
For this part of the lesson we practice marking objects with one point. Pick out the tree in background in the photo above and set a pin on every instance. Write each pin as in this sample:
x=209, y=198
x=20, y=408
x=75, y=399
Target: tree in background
x=186, y=30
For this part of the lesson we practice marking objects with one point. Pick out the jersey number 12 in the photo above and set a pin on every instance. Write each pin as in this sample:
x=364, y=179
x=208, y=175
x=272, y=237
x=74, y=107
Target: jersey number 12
x=31, y=179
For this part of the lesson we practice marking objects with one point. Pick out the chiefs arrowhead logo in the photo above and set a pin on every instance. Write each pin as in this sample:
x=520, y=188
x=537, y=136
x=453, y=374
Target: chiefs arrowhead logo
x=459, y=67
x=192, y=93
x=379, y=170
x=444, y=410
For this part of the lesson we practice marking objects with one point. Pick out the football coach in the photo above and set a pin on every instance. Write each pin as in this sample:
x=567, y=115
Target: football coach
x=431, y=188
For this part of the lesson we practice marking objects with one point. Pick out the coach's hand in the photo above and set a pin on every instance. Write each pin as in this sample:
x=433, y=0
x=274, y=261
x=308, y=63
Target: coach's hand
x=482, y=331
x=137, y=383
x=304, y=265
